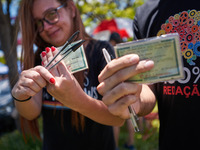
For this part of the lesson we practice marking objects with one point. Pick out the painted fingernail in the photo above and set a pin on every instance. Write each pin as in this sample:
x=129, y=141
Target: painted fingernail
x=42, y=63
x=43, y=53
x=149, y=63
x=47, y=49
x=52, y=80
x=53, y=48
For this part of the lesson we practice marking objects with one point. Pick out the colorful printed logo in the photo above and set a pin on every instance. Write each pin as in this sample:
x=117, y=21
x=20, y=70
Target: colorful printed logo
x=187, y=24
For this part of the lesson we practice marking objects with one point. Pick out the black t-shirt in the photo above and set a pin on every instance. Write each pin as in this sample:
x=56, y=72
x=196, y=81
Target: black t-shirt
x=178, y=101
x=58, y=131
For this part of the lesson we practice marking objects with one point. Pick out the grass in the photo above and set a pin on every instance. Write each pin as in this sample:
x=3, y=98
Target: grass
x=15, y=141
x=146, y=139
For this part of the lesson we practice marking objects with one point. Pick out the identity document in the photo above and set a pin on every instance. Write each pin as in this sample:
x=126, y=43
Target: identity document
x=163, y=50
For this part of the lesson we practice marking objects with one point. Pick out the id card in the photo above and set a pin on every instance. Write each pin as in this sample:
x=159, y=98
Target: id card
x=164, y=51
x=75, y=61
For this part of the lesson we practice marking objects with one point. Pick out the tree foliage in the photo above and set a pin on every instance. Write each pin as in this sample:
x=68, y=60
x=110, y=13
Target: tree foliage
x=8, y=40
x=94, y=11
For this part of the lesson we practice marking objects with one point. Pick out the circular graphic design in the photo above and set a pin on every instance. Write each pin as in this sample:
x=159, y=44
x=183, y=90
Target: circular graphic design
x=187, y=24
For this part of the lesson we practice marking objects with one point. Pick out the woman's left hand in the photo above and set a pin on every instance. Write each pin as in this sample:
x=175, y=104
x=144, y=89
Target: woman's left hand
x=66, y=88
x=68, y=91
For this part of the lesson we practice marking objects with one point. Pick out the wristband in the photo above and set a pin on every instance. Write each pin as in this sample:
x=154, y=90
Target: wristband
x=19, y=99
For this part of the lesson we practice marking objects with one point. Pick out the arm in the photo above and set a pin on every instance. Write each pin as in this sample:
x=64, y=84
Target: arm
x=30, y=109
x=69, y=93
x=147, y=101
x=29, y=84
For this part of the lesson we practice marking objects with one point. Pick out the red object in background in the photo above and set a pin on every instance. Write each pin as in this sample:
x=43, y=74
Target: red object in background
x=123, y=26
x=110, y=25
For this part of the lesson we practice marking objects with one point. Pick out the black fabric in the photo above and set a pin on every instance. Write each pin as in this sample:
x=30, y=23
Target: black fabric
x=59, y=134
x=57, y=129
x=178, y=101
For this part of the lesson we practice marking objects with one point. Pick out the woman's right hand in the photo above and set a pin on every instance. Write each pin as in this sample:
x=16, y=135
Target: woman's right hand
x=31, y=81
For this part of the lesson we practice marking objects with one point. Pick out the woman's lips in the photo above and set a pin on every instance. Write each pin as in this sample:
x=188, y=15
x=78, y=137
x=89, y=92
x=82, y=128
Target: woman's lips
x=53, y=34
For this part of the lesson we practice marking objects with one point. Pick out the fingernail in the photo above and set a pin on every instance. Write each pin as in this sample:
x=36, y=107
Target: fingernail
x=47, y=49
x=149, y=63
x=134, y=59
x=43, y=53
x=52, y=80
x=42, y=63
x=53, y=48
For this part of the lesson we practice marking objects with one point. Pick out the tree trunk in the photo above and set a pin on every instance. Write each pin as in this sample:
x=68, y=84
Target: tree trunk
x=8, y=45
x=7, y=38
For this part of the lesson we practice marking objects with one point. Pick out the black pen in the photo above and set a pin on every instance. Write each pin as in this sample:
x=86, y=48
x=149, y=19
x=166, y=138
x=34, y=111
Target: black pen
x=131, y=110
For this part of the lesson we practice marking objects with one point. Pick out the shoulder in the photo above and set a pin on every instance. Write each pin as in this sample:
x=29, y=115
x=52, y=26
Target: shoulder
x=146, y=10
x=148, y=6
x=107, y=46
x=94, y=52
x=102, y=44
x=96, y=46
x=144, y=17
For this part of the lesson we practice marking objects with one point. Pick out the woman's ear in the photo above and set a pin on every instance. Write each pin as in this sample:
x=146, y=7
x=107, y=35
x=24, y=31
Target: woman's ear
x=72, y=8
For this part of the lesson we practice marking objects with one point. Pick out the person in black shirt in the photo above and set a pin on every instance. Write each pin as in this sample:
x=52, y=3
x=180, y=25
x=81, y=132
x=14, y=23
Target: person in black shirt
x=73, y=115
x=178, y=101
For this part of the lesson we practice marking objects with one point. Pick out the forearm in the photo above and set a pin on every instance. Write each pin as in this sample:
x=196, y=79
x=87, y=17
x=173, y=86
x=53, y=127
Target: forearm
x=93, y=109
x=30, y=109
x=98, y=111
x=147, y=101
x=30, y=83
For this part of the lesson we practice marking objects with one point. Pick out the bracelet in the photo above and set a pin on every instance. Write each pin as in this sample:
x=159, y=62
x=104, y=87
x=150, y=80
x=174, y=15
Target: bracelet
x=21, y=100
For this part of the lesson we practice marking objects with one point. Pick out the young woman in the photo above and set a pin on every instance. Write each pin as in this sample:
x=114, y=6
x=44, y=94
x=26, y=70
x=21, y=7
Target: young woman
x=73, y=115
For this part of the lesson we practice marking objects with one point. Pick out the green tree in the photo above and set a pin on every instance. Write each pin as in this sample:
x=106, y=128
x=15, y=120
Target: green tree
x=94, y=11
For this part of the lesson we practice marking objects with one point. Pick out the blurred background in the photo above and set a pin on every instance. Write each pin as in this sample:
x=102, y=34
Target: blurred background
x=101, y=18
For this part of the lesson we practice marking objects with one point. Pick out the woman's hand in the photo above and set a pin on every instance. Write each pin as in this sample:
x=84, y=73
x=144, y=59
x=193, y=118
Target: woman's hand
x=68, y=91
x=66, y=88
x=117, y=93
x=31, y=82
